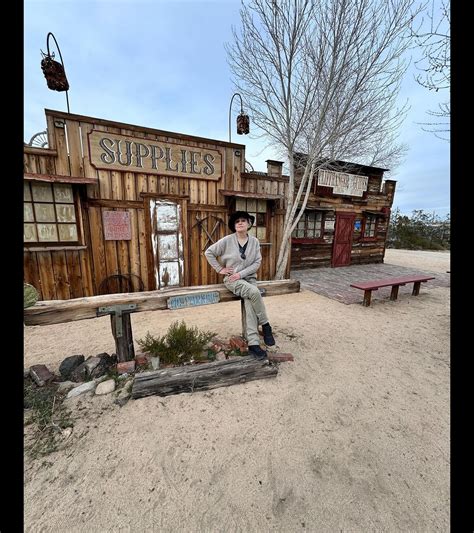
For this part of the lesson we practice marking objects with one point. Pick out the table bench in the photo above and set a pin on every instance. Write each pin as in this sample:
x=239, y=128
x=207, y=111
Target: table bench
x=120, y=305
x=395, y=283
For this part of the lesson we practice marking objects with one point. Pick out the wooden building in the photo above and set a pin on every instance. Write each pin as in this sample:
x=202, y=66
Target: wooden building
x=112, y=207
x=346, y=217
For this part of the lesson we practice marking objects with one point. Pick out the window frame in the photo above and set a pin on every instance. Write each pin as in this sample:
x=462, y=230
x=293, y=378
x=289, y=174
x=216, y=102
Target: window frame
x=365, y=237
x=306, y=239
x=256, y=213
x=77, y=213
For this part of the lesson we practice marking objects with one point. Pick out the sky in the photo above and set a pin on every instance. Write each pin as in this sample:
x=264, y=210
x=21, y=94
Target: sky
x=162, y=64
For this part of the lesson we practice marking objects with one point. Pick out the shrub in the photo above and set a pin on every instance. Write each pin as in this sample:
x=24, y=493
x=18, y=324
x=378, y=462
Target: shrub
x=179, y=345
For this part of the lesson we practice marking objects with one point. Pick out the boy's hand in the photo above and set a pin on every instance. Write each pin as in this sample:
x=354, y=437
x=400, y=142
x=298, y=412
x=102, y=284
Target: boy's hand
x=234, y=277
x=226, y=271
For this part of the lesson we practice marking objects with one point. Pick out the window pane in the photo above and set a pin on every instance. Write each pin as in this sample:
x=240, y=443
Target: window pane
x=26, y=191
x=240, y=205
x=319, y=216
x=29, y=233
x=63, y=193
x=254, y=215
x=65, y=213
x=317, y=233
x=252, y=231
x=47, y=232
x=262, y=206
x=45, y=213
x=28, y=212
x=260, y=219
x=310, y=234
x=300, y=233
x=251, y=206
x=261, y=233
x=67, y=232
x=42, y=192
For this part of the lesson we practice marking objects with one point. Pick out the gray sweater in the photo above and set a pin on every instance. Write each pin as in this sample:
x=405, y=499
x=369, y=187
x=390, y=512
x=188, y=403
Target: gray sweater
x=227, y=249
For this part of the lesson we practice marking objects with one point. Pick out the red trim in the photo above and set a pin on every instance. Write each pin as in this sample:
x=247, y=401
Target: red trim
x=304, y=240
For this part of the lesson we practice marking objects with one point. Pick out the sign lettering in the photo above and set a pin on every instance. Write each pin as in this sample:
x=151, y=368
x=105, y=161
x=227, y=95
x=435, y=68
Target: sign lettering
x=343, y=183
x=117, y=225
x=191, y=300
x=119, y=152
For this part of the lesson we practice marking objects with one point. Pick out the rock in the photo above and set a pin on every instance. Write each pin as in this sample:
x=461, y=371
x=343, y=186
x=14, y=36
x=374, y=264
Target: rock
x=81, y=389
x=66, y=386
x=220, y=356
x=106, y=387
x=106, y=361
x=69, y=364
x=126, y=366
x=155, y=363
x=41, y=375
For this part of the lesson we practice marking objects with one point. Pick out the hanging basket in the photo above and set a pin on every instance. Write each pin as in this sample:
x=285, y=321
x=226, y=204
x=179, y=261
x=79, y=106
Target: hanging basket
x=54, y=74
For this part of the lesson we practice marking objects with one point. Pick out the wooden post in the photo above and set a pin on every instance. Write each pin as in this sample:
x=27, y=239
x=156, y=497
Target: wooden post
x=394, y=293
x=244, y=318
x=367, y=296
x=416, y=288
x=124, y=343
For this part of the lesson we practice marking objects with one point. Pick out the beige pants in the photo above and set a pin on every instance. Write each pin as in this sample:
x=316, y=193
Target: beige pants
x=254, y=307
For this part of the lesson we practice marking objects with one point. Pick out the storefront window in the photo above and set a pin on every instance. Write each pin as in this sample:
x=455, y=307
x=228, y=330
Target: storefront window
x=258, y=209
x=310, y=226
x=370, y=226
x=49, y=213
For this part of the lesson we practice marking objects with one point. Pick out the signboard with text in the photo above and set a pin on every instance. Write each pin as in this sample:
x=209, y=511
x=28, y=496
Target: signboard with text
x=343, y=183
x=117, y=225
x=111, y=151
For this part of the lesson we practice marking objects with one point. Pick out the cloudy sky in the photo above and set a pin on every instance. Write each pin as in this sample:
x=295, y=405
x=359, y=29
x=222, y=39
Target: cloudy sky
x=162, y=64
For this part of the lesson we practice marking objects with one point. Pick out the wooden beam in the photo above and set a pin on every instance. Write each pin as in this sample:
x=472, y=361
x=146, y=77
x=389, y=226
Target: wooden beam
x=58, y=311
x=56, y=178
x=205, y=376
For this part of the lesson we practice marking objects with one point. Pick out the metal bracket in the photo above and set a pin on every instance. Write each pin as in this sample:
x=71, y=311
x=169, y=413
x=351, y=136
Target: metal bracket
x=117, y=310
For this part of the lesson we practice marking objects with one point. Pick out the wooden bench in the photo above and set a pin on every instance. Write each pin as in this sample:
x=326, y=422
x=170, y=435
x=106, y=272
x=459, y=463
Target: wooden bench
x=119, y=306
x=395, y=283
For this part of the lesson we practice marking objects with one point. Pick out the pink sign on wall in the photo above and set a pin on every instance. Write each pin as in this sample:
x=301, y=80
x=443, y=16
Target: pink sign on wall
x=117, y=225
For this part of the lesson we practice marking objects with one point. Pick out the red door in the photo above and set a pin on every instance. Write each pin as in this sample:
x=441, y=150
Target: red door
x=341, y=250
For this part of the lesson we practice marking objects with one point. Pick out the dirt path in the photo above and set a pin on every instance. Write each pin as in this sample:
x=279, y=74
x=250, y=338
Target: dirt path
x=352, y=436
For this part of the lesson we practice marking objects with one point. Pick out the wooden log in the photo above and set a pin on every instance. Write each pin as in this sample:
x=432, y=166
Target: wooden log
x=58, y=311
x=201, y=377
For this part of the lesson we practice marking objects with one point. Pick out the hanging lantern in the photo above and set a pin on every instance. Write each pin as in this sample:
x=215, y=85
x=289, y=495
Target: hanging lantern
x=54, y=73
x=243, y=124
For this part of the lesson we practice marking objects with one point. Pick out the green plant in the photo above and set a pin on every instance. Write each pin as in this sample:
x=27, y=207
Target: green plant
x=49, y=417
x=180, y=344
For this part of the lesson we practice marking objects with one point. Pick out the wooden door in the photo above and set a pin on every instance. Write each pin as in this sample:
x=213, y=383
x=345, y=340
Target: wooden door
x=341, y=250
x=167, y=247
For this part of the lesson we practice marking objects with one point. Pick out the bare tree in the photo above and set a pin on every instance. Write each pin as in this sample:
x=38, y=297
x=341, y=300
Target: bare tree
x=433, y=40
x=321, y=77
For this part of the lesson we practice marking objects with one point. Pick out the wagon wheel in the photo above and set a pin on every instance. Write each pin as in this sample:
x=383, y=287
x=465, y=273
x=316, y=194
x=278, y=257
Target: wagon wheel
x=39, y=139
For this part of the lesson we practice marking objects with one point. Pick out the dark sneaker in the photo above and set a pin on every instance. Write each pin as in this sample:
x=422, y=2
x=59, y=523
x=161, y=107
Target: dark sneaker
x=257, y=353
x=268, y=335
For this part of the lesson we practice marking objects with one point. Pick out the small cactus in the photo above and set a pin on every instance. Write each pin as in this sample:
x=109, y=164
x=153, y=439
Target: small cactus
x=30, y=295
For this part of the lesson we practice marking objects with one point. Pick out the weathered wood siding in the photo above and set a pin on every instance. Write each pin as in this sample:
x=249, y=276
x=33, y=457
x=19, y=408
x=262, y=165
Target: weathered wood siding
x=376, y=198
x=65, y=273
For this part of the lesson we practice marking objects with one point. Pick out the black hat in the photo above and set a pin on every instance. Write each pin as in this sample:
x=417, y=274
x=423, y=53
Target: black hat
x=240, y=214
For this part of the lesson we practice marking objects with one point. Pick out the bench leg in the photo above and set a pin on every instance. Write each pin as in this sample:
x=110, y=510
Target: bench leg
x=244, y=319
x=394, y=293
x=367, y=297
x=124, y=343
x=416, y=288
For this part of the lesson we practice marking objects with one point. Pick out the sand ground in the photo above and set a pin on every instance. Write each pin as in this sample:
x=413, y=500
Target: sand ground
x=352, y=436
